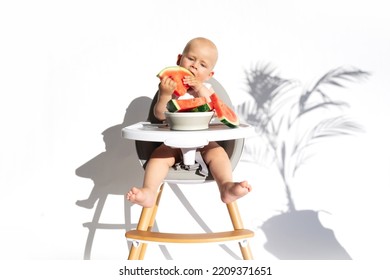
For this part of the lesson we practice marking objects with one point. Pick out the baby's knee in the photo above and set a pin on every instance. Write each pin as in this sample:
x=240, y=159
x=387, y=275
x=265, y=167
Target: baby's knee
x=214, y=151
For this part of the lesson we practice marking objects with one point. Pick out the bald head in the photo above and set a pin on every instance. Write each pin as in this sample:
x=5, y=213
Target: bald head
x=206, y=44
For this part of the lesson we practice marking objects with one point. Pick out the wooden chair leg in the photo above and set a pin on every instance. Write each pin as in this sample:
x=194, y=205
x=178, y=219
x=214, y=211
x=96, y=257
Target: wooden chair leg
x=238, y=224
x=145, y=223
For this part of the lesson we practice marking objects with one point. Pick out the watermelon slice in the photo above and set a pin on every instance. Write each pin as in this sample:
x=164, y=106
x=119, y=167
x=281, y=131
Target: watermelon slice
x=224, y=113
x=183, y=105
x=177, y=74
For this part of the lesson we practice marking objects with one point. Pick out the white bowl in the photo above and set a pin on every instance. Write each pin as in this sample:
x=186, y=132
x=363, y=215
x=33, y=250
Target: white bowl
x=189, y=120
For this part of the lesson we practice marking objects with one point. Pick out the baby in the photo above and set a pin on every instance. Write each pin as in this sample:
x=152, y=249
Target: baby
x=199, y=57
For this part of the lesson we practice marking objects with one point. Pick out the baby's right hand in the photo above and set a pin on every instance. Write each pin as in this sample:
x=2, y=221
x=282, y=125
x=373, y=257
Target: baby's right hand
x=167, y=86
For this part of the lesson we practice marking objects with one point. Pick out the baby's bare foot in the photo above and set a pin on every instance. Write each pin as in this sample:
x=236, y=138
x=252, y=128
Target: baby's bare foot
x=234, y=190
x=144, y=197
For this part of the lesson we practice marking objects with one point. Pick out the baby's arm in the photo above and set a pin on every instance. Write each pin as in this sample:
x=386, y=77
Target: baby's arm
x=166, y=88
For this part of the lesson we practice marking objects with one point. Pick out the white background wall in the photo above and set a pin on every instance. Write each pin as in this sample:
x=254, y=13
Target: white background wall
x=70, y=69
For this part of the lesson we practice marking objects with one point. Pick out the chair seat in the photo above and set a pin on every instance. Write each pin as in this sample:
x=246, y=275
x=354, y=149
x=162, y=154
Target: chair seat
x=186, y=177
x=160, y=237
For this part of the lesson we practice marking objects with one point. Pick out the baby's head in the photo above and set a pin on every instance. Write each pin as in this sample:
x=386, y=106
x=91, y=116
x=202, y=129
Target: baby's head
x=199, y=56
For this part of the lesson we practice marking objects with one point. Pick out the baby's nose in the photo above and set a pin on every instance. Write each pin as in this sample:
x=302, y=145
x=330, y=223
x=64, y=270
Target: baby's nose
x=195, y=64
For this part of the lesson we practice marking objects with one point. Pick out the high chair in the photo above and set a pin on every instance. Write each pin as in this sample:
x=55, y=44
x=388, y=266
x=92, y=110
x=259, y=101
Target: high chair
x=148, y=137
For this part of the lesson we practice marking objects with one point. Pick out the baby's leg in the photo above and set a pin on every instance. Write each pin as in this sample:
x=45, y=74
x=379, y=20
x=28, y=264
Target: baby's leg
x=156, y=170
x=219, y=164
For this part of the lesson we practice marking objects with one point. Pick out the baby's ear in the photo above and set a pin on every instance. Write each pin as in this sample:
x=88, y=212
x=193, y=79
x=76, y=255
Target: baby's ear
x=179, y=56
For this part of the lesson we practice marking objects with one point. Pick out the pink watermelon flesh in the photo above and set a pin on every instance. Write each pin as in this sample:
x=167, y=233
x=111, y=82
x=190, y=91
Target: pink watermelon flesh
x=177, y=74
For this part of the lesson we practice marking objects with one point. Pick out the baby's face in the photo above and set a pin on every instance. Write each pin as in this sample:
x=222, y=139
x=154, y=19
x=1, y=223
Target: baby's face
x=200, y=60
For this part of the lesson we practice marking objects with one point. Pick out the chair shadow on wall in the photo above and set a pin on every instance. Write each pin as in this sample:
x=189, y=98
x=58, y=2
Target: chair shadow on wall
x=114, y=171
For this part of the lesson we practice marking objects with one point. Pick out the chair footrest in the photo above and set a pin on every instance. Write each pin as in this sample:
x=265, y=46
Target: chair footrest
x=139, y=235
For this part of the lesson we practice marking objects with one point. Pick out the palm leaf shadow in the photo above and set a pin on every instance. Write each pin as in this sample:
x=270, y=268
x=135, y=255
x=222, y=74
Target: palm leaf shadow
x=277, y=109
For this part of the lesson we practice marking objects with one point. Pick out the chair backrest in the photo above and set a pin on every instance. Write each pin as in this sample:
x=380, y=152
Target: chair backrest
x=233, y=148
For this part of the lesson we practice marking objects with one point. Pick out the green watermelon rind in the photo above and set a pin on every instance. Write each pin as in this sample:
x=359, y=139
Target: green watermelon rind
x=188, y=105
x=202, y=108
x=229, y=123
x=174, y=68
x=172, y=106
